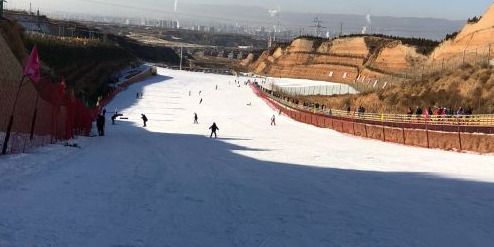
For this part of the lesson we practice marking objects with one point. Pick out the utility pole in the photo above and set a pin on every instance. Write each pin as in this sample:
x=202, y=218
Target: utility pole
x=341, y=29
x=1, y=8
x=181, y=56
x=38, y=21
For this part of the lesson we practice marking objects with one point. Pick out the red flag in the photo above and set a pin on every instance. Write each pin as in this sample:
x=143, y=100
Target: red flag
x=62, y=87
x=32, y=68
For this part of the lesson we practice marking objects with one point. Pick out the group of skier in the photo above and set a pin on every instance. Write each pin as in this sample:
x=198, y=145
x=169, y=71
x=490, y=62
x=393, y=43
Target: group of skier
x=214, y=127
x=100, y=121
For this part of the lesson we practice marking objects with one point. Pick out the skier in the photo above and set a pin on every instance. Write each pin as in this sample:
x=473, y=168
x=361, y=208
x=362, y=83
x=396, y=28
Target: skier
x=195, y=118
x=144, y=119
x=137, y=95
x=216, y=87
x=200, y=93
x=113, y=117
x=273, y=120
x=190, y=93
x=200, y=102
x=100, y=124
x=213, y=129
x=104, y=111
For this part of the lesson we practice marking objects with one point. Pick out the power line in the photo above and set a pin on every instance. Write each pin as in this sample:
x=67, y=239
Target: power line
x=317, y=26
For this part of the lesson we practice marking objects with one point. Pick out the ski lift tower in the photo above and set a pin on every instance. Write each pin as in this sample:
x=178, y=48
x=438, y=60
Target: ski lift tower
x=1, y=8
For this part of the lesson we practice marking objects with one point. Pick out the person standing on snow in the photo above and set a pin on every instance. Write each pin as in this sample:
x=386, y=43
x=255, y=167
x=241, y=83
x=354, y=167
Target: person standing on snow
x=195, y=118
x=144, y=119
x=213, y=129
x=100, y=124
x=200, y=102
x=273, y=120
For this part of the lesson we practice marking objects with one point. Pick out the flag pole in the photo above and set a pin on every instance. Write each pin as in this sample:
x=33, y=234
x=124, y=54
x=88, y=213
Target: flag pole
x=33, y=122
x=11, y=121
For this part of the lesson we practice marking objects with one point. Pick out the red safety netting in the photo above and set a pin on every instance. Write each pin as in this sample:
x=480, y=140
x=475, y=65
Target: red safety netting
x=43, y=115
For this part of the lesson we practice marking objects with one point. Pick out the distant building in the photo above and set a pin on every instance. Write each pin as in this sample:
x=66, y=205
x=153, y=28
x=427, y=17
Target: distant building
x=31, y=22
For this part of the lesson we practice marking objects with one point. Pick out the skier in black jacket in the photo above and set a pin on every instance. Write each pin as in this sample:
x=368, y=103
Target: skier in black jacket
x=144, y=119
x=213, y=129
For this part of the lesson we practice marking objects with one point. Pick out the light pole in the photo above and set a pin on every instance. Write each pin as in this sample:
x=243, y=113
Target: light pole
x=181, y=55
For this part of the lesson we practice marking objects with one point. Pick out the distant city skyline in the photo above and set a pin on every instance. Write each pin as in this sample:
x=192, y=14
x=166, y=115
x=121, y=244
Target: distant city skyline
x=447, y=9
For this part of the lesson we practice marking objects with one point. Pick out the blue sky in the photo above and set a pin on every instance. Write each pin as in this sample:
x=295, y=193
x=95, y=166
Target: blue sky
x=450, y=9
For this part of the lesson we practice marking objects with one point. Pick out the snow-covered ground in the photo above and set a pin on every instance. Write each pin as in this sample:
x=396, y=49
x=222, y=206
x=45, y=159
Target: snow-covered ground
x=256, y=185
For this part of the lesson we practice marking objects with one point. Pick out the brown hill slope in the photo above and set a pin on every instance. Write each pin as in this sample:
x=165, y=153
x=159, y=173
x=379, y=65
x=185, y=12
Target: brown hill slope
x=339, y=60
x=12, y=51
x=474, y=37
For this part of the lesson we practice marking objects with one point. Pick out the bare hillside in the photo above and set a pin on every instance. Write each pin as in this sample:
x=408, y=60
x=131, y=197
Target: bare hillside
x=341, y=60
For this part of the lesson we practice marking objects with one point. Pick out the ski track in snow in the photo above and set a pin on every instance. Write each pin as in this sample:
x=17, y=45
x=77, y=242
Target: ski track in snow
x=256, y=185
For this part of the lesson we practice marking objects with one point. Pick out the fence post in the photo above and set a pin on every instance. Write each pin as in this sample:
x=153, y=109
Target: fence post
x=404, y=138
x=427, y=132
x=476, y=55
x=11, y=121
x=33, y=122
x=384, y=134
x=354, y=126
x=489, y=55
x=442, y=67
x=459, y=138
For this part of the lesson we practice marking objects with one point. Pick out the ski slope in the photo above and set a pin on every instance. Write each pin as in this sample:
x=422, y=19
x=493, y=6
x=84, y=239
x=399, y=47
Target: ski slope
x=256, y=185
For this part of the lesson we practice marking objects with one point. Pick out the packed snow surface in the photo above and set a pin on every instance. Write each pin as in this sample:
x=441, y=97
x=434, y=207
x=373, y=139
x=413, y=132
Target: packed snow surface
x=305, y=87
x=256, y=185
